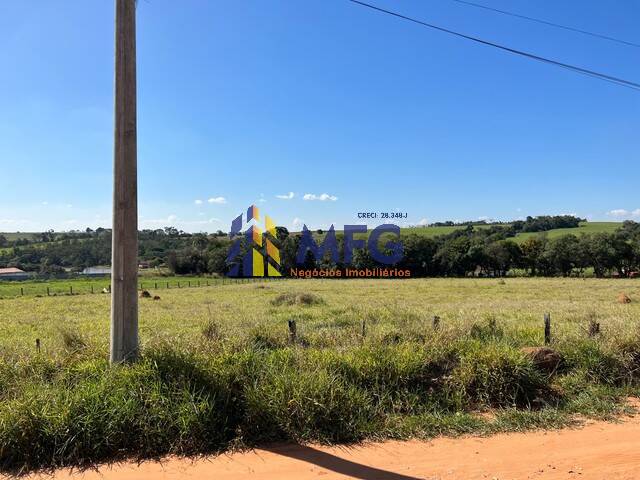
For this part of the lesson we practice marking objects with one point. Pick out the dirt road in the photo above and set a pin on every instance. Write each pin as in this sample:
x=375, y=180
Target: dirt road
x=597, y=451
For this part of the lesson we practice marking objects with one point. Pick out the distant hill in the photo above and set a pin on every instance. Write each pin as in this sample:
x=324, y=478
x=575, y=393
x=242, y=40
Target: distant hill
x=13, y=236
x=585, y=227
x=432, y=231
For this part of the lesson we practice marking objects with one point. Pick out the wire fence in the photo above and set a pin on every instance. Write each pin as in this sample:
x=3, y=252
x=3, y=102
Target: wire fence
x=61, y=288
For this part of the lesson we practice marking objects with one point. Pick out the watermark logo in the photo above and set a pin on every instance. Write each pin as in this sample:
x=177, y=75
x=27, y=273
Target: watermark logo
x=254, y=253
x=391, y=253
x=256, y=248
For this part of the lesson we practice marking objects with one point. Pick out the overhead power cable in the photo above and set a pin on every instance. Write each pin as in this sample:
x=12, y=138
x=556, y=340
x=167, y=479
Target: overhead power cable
x=551, y=24
x=583, y=71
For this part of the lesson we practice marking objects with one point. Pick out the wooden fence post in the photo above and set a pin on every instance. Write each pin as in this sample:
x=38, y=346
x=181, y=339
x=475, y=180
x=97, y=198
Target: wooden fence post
x=547, y=328
x=47, y=291
x=293, y=333
x=594, y=328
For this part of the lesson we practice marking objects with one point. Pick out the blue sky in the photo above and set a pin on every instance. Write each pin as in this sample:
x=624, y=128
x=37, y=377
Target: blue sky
x=243, y=101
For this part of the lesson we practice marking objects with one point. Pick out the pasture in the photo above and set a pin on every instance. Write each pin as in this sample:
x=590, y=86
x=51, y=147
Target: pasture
x=221, y=369
x=95, y=285
x=585, y=227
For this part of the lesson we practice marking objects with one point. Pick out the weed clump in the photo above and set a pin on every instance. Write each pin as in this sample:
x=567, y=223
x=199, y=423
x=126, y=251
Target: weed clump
x=211, y=331
x=488, y=331
x=263, y=338
x=297, y=299
x=72, y=340
x=499, y=376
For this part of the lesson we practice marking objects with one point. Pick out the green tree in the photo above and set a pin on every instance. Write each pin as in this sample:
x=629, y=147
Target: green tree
x=564, y=253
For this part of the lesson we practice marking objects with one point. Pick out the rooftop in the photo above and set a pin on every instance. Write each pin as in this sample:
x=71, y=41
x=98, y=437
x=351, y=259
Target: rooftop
x=10, y=271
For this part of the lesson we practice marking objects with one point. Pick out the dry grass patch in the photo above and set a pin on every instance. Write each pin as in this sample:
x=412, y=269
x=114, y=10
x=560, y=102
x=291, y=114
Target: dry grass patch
x=297, y=299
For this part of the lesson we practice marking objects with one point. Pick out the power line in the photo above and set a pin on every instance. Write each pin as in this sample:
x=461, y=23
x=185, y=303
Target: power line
x=580, y=70
x=552, y=24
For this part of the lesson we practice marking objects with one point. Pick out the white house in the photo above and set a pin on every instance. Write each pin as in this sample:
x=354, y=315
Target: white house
x=96, y=271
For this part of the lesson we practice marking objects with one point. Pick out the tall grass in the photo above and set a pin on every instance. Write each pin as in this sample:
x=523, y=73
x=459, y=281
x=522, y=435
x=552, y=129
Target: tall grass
x=76, y=409
x=219, y=371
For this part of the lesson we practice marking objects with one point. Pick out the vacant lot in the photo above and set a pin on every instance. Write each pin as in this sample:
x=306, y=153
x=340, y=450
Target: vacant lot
x=336, y=310
x=219, y=368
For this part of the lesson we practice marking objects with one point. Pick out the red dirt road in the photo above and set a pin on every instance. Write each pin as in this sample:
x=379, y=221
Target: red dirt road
x=597, y=451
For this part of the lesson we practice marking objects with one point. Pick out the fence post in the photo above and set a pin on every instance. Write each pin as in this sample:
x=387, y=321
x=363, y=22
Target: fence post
x=547, y=328
x=155, y=285
x=189, y=283
x=364, y=328
x=71, y=289
x=293, y=333
x=167, y=285
x=594, y=328
x=22, y=291
x=47, y=291
x=91, y=288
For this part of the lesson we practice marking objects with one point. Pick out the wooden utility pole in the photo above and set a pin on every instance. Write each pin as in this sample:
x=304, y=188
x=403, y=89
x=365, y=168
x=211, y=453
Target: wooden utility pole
x=124, y=263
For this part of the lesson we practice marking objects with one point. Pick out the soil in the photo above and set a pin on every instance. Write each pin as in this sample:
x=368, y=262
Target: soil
x=595, y=451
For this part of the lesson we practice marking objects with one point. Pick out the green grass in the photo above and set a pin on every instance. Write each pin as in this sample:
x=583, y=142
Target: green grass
x=219, y=371
x=82, y=286
x=13, y=236
x=585, y=227
x=436, y=231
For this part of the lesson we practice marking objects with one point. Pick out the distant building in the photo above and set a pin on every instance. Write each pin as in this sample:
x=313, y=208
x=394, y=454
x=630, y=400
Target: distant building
x=96, y=271
x=13, y=274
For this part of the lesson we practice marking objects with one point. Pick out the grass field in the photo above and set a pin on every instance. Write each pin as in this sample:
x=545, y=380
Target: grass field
x=436, y=231
x=219, y=370
x=13, y=236
x=81, y=286
x=585, y=227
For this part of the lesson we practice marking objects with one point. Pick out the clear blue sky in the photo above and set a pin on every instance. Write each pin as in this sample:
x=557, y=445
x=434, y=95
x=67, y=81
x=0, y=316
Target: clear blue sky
x=241, y=101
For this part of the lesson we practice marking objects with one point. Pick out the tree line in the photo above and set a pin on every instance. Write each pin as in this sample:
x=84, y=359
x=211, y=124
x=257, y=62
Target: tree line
x=473, y=249
x=486, y=251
